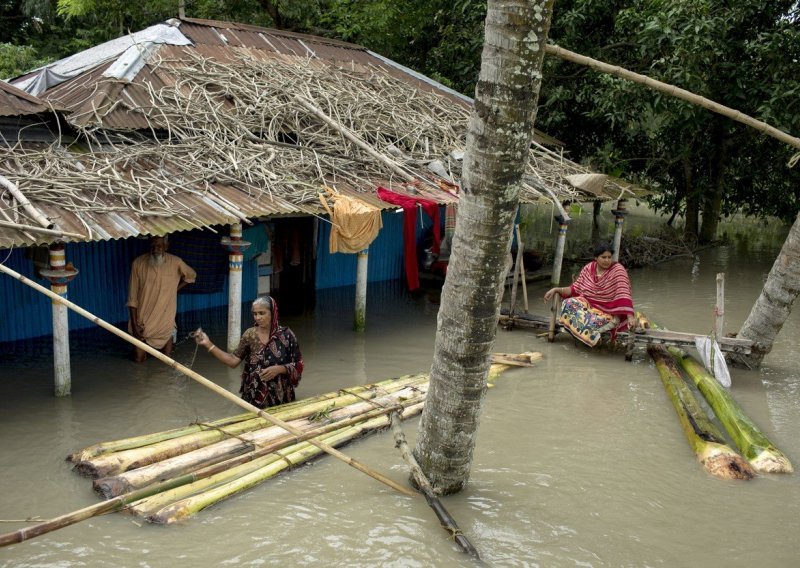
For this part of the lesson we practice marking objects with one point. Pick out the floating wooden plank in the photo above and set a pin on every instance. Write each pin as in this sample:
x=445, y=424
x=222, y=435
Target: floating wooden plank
x=516, y=359
x=680, y=339
x=641, y=337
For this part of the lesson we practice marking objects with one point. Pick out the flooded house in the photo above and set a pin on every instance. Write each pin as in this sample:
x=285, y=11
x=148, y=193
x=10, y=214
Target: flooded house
x=260, y=152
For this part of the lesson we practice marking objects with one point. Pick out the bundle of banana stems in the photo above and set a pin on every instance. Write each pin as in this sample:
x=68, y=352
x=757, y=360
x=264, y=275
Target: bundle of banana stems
x=708, y=443
x=176, y=473
x=754, y=445
x=205, y=463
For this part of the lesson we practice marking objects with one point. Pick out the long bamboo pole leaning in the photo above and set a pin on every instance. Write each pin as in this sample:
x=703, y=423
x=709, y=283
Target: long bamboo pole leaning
x=674, y=91
x=444, y=516
x=347, y=133
x=208, y=384
x=117, y=502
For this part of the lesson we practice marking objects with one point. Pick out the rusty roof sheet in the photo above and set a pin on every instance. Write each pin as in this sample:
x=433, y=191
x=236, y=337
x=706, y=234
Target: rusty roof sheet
x=16, y=102
x=95, y=100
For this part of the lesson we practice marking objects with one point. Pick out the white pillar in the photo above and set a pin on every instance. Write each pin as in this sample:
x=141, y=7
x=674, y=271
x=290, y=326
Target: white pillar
x=58, y=274
x=360, y=318
x=619, y=221
x=236, y=246
x=555, y=279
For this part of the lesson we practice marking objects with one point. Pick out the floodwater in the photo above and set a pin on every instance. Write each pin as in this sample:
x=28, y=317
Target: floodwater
x=580, y=460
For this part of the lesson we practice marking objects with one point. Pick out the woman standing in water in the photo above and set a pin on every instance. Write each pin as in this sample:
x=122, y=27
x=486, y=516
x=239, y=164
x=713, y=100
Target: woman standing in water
x=273, y=363
x=599, y=300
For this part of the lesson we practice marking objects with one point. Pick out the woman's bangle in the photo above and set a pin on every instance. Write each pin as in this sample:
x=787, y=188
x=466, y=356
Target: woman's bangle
x=210, y=349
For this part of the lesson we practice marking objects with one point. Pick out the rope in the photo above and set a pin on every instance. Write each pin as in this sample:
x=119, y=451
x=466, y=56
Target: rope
x=230, y=434
x=395, y=407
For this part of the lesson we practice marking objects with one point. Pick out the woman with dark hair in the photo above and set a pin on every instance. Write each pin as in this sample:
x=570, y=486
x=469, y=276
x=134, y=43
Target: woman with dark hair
x=599, y=300
x=273, y=364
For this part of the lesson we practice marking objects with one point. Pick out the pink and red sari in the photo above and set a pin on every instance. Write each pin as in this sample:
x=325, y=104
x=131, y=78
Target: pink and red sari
x=597, y=303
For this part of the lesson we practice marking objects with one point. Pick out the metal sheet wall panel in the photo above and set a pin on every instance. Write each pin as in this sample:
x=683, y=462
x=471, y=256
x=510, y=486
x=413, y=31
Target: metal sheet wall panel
x=385, y=256
x=25, y=312
x=101, y=288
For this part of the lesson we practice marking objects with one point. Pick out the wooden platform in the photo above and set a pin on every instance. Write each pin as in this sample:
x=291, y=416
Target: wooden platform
x=643, y=337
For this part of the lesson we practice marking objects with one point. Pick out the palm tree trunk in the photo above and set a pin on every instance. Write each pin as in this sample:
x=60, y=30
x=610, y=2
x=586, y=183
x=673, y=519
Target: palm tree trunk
x=498, y=145
x=773, y=306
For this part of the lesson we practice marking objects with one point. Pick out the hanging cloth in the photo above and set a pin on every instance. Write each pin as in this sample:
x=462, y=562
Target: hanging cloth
x=355, y=224
x=409, y=205
x=713, y=359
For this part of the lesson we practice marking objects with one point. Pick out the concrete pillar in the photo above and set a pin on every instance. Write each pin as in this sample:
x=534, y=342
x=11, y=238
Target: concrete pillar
x=59, y=274
x=236, y=247
x=359, y=322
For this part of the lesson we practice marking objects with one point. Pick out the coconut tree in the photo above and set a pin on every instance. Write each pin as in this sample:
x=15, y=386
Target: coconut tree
x=774, y=305
x=498, y=141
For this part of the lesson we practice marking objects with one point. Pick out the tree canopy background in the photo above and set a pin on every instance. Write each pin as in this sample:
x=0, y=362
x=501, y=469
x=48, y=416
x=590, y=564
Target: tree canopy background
x=741, y=53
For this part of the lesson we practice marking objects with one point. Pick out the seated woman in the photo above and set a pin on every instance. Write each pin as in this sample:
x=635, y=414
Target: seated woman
x=273, y=363
x=598, y=301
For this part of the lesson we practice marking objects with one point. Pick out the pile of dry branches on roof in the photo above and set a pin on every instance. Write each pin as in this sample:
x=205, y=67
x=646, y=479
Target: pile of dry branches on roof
x=274, y=127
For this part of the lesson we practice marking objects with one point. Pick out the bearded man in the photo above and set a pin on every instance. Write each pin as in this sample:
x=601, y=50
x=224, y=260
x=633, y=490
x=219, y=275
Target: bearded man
x=156, y=278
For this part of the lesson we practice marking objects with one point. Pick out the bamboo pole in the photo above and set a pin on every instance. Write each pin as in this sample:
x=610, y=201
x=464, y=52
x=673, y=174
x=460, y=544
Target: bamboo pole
x=42, y=230
x=514, y=280
x=563, y=225
x=674, y=91
x=74, y=517
x=391, y=164
x=444, y=516
x=719, y=308
x=37, y=215
x=521, y=267
x=619, y=222
x=208, y=384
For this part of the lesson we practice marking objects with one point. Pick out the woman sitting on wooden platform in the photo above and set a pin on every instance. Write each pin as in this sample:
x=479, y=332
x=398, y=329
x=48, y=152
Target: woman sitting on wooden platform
x=598, y=301
x=273, y=363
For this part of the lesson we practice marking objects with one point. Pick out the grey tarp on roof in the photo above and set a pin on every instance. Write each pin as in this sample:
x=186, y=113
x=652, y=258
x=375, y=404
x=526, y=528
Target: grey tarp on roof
x=51, y=75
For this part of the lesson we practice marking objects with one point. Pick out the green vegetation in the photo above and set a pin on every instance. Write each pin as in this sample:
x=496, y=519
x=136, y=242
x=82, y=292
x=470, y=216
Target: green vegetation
x=741, y=53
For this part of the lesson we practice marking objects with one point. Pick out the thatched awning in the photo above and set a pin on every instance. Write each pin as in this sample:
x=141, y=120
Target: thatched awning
x=242, y=123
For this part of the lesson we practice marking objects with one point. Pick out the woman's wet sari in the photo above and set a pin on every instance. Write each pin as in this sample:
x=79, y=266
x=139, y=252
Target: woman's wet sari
x=597, y=303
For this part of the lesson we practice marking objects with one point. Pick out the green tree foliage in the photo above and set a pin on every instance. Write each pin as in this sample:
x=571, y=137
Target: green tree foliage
x=16, y=59
x=441, y=39
x=741, y=53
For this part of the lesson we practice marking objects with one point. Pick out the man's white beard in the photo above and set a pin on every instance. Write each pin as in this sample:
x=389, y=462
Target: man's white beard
x=157, y=259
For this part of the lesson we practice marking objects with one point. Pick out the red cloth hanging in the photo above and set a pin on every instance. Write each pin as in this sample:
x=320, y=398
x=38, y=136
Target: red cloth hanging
x=409, y=205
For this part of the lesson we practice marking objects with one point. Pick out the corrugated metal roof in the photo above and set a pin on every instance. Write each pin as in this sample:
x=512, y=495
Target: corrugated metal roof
x=16, y=102
x=120, y=106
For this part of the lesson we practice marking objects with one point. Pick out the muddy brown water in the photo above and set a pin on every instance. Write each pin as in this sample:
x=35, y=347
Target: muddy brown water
x=580, y=461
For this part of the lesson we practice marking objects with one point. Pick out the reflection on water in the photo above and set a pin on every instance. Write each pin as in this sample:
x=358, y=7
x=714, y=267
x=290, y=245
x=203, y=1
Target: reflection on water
x=580, y=460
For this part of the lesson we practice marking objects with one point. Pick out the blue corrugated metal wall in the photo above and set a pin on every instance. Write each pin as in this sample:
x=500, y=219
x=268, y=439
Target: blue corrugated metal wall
x=385, y=256
x=101, y=287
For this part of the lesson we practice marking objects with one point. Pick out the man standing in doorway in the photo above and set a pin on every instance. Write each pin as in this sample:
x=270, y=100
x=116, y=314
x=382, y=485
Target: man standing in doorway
x=156, y=278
